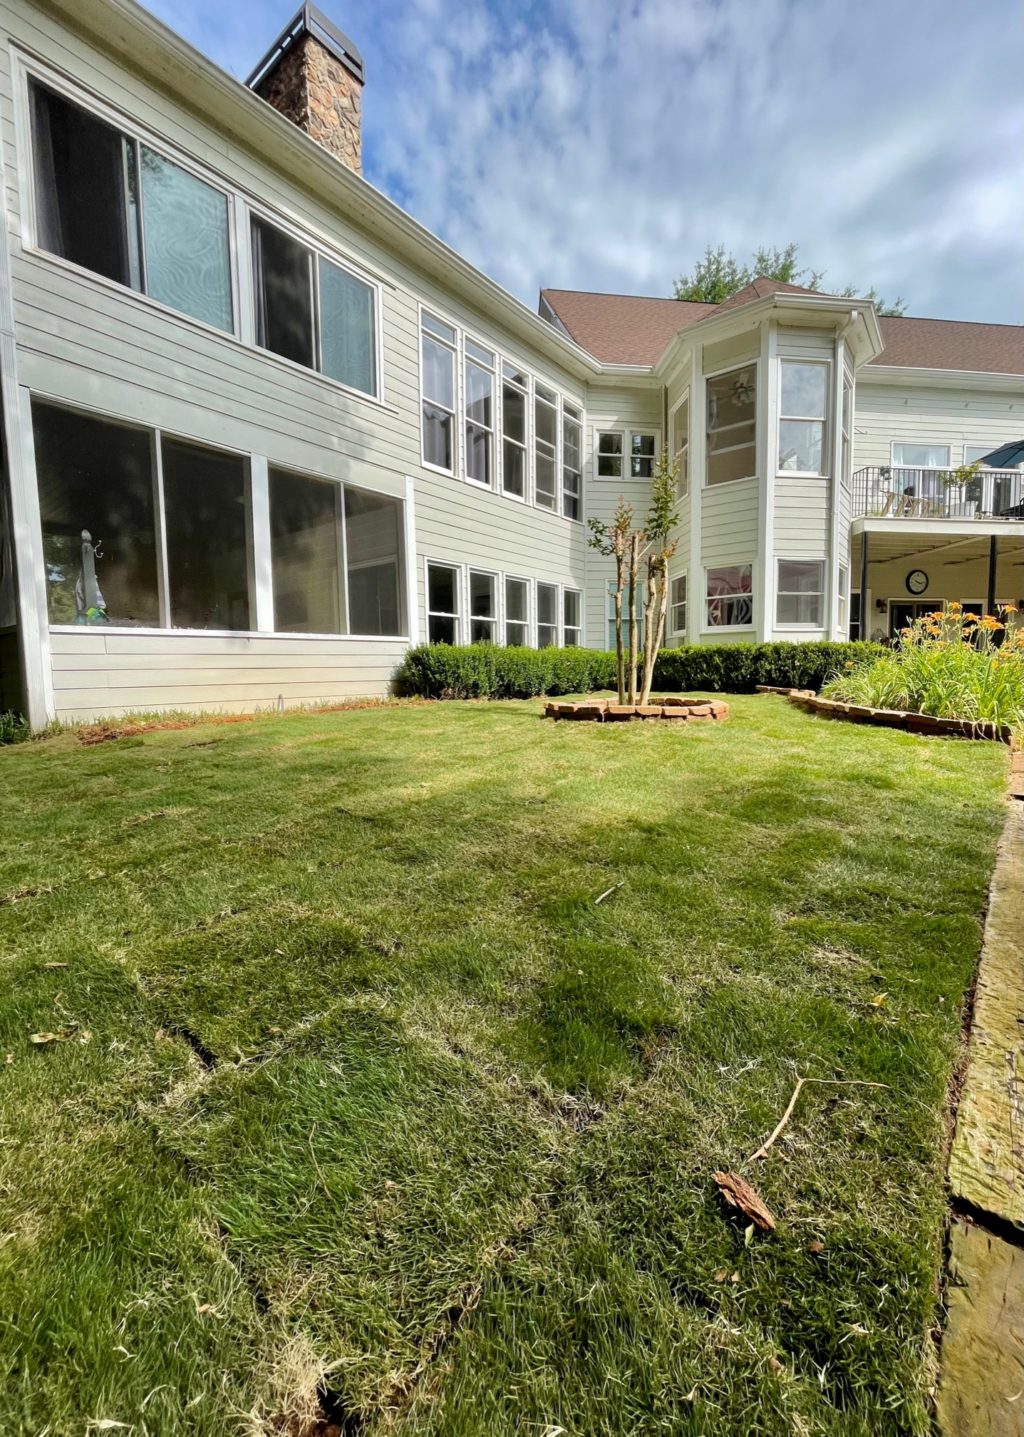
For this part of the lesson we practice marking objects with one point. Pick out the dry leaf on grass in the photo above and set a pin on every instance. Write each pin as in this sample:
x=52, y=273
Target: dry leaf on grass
x=738, y=1194
x=816, y=1246
x=49, y=967
x=65, y=1035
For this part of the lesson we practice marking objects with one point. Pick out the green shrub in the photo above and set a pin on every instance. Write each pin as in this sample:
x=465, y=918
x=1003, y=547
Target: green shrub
x=947, y=664
x=13, y=728
x=441, y=671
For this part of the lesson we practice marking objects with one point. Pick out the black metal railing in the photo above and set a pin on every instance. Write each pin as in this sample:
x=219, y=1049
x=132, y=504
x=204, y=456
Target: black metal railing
x=893, y=492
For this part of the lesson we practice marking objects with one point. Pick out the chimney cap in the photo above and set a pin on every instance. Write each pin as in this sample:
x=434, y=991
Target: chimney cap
x=309, y=21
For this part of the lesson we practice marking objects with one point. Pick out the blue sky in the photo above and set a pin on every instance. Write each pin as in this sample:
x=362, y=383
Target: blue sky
x=601, y=144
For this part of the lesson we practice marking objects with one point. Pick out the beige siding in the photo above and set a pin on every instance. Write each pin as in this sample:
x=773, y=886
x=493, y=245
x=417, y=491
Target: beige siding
x=936, y=415
x=729, y=523
x=801, y=517
x=99, y=674
x=740, y=349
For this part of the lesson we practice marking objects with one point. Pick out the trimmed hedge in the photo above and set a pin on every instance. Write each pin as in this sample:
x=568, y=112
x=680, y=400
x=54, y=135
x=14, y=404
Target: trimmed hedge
x=441, y=671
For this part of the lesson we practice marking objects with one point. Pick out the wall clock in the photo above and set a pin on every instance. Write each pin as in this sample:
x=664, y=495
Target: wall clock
x=917, y=581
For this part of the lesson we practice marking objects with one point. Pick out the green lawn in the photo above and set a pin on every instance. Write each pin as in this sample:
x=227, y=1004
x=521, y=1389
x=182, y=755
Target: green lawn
x=361, y=1091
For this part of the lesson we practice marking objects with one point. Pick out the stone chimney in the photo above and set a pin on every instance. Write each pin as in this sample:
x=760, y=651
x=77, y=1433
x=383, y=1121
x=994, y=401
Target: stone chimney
x=313, y=74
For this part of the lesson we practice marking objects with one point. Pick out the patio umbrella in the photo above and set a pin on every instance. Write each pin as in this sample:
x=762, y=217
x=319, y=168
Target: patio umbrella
x=1007, y=456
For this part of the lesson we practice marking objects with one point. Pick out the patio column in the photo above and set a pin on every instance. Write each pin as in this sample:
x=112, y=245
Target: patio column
x=993, y=559
x=864, y=631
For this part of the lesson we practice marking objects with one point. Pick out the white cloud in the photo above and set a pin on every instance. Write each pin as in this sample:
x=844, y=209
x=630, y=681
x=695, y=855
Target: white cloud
x=603, y=144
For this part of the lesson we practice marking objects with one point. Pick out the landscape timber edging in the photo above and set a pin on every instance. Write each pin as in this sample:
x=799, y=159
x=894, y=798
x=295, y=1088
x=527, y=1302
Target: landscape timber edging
x=896, y=718
x=608, y=711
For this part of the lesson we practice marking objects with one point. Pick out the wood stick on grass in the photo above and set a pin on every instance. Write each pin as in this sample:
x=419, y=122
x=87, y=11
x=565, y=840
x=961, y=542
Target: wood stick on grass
x=607, y=893
x=762, y=1151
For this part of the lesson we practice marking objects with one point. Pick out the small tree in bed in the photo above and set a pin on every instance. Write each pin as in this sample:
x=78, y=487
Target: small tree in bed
x=662, y=518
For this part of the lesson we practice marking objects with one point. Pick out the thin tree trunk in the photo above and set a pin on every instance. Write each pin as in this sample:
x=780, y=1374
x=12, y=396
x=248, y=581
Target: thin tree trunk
x=649, y=623
x=634, y=553
x=620, y=666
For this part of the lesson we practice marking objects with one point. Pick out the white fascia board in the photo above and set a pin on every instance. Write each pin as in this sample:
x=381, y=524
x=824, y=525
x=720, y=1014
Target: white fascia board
x=147, y=45
x=940, y=378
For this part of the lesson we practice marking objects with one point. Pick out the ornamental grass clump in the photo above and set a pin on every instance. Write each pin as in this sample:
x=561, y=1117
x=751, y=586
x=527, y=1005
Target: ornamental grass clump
x=950, y=664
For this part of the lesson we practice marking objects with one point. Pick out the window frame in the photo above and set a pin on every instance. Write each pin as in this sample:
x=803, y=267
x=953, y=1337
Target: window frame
x=732, y=368
x=709, y=628
x=556, y=589
x=619, y=434
x=783, y=418
x=576, y=415
x=457, y=470
x=567, y=627
x=465, y=360
x=683, y=481
x=678, y=630
x=497, y=586
x=428, y=612
x=921, y=468
x=655, y=435
x=527, y=390
x=507, y=579
x=820, y=592
x=843, y=600
x=555, y=404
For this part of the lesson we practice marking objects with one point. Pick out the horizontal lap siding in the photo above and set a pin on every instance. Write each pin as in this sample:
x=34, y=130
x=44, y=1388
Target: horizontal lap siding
x=98, y=674
x=887, y=412
x=729, y=523
x=801, y=517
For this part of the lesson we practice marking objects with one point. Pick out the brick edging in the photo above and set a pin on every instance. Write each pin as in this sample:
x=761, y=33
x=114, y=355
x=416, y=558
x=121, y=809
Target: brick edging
x=606, y=711
x=896, y=718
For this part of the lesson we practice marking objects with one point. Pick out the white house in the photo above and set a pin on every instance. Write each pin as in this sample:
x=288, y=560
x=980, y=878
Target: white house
x=262, y=431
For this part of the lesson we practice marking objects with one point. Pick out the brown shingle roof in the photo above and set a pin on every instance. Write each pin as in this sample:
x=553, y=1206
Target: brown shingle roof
x=631, y=329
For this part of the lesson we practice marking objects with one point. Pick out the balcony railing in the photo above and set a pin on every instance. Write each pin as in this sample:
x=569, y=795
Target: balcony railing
x=891, y=492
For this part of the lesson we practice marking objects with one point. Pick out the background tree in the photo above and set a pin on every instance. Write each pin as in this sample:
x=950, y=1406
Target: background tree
x=719, y=275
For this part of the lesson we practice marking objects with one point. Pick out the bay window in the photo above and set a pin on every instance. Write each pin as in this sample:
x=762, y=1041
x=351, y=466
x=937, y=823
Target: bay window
x=545, y=446
x=547, y=615
x=311, y=311
x=113, y=205
x=483, y=607
x=207, y=528
x=517, y=629
x=677, y=606
x=732, y=425
x=803, y=406
x=572, y=620
x=609, y=454
x=799, y=592
x=730, y=596
x=479, y=413
x=514, y=401
x=572, y=460
x=374, y=562
x=306, y=555
x=437, y=353
x=442, y=604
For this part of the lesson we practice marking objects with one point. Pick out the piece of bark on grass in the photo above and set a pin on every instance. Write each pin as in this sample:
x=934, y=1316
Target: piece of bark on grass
x=740, y=1195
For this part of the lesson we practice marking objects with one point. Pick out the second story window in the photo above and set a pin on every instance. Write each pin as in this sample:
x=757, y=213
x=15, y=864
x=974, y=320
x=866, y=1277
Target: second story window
x=641, y=455
x=572, y=461
x=109, y=203
x=437, y=356
x=609, y=454
x=479, y=413
x=803, y=405
x=731, y=425
x=514, y=401
x=311, y=311
x=681, y=447
x=545, y=439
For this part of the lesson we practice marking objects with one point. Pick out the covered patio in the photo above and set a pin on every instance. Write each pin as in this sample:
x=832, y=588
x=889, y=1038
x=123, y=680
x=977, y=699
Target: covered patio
x=903, y=567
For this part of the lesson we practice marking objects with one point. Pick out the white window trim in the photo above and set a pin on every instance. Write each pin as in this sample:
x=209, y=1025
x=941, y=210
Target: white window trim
x=460, y=593
x=823, y=419
x=241, y=205
x=527, y=391
x=821, y=593
x=673, y=632
x=684, y=398
x=755, y=365
x=580, y=627
x=609, y=478
x=457, y=470
x=579, y=418
x=556, y=404
x=652, y=433
x=557, y=625
x=707, y=628
x=497, y=586
x=528, y=621
x=925, y=443
x=495, y=372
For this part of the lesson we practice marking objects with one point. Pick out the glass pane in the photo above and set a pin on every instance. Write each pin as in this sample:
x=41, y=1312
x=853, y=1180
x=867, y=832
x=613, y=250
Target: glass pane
x=729, y=596
x=347, y=329
x=441, y=629
x=517, y=376
x=437, y=436
x=736, y=462
x=545, y=481
x=478, y=454
x=513, y=406
x=206, y=520
x=515, y=633
x=804, y=389
x=680, y=426
x=731, y=399
x=442, y=589
x=373, y=550
x=477, y=351
x=799, y=609
x=438, y=373
x=797, y=576
x=305, y=555
x=642, y=444
x=515, y=599
x=185, y=225
x=679, y=590
x=800, y=445
x=547, y=636
x=921, y=456
x=609, y=443
x=481, y=631
x=513, y=474
x=609, y=466
x=284, y=294
x=547, y=604
x=438, y=326
x=571, y=608
x=571, y=444
x=79, y=186
x=479, y=395
x=546, y=424
x=96, y=504
x=481, y=595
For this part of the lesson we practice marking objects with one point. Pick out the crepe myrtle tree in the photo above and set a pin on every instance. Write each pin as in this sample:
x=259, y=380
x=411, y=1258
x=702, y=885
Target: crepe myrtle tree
x=640, y=551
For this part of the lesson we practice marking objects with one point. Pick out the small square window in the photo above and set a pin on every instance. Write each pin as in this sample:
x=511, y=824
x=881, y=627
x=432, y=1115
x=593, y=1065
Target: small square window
x=641, y=456
x=609, y=454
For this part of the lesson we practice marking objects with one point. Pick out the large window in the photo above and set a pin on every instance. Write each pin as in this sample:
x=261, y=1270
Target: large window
x=96, y=501
x=799, y=593
x=731, y=425
x=545, y=443
x=730, y=597
x=483, y=607
x=681, y=446
x=311, y=311
x=847, y=423
x=514, y=401
x=547, y=615
x=920, y=456
x=374, y=561
x=572, y=461
x=442, y=604
x=677, y=606
x=437, y=350
x=803, y=407
x=572, y=616
x=843, y=614
x=305, y=551
x=479, y=413
x=206, y=520
x=113, y=205
x=517, y=627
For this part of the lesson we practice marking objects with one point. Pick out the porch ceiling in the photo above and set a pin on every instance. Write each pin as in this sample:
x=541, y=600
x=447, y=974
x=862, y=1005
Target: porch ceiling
x=915, y=541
